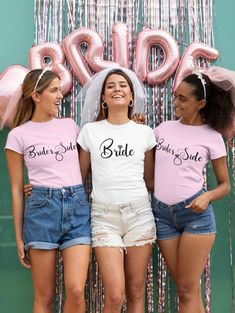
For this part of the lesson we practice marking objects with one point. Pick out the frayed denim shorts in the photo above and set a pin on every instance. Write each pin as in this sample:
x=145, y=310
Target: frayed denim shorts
x=122, y=225
x=56, y=218
x=172, y=220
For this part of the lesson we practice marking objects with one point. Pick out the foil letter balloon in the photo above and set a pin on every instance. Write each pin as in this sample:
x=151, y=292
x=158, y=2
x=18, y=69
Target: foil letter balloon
x=145, y=40
x=120, y=44
x=53, y=51
x=93, y=55
x=11, y=80
x=189, y=58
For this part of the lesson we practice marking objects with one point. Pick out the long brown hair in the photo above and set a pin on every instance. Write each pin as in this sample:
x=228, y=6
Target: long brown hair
x=103, y=113
x=26, y=105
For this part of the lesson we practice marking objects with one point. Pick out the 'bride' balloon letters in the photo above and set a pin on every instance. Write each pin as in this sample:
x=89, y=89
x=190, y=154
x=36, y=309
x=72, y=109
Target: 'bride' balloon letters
x=93, y=57
x=72, y=50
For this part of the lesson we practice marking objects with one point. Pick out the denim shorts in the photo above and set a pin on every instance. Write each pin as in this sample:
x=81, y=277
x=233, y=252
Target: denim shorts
x=172, y=220
x=122, y=225
x=56, y=218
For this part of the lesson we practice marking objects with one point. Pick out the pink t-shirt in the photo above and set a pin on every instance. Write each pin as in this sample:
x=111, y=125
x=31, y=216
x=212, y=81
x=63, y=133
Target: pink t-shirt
x=182, y=152
x=49, y=150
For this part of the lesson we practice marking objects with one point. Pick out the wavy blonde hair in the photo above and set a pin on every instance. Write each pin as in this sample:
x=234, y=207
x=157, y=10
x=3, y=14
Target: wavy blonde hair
x=26, y=105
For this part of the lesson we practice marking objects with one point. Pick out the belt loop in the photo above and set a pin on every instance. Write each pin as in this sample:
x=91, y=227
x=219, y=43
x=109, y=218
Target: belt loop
x=106, y=207
x=72, y=191
x=50, y=192
x=132, y=205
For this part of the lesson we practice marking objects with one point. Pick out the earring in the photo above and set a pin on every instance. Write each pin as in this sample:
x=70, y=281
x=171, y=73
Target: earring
x=131, y=104
x=104, y=105
x=104, y=109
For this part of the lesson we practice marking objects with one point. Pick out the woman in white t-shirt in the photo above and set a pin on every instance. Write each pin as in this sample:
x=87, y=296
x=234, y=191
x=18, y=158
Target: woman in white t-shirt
x=121, y=155
x=56, y=215
x=182, y=207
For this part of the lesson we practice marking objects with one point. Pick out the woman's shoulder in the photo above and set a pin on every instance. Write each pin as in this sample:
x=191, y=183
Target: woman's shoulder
x=65, y=120
x=167, y=124
x=18, y=129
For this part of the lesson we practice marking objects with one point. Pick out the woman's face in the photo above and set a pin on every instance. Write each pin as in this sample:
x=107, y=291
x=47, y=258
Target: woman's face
x=186, y=105
x=49, y=100
x=117, y=92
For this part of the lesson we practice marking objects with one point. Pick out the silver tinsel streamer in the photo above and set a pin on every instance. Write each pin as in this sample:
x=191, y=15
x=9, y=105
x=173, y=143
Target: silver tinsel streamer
x=187, y=21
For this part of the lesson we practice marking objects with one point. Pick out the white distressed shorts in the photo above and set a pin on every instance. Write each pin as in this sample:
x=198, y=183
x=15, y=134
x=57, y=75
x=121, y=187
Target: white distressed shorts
x=122, y=225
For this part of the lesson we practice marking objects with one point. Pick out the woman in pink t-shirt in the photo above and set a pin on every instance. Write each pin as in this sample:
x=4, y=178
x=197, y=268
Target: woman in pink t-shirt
x=182, y=207
x=56, y=215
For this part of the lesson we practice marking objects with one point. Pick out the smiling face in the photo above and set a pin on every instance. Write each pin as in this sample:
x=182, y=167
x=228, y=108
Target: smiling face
x=48, y=102
x=187, y=107
x=117, y=92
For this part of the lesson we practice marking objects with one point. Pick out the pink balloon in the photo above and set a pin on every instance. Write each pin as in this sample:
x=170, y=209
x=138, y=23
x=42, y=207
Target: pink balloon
x=188, y=60
x=37, y=54
x=11, y=80
x=120, y=44
x=145, y=40
x=93, y=54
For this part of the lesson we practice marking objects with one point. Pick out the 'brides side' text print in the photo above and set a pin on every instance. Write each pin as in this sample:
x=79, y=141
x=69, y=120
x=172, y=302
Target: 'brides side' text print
x=58, y=151
x=179, y=155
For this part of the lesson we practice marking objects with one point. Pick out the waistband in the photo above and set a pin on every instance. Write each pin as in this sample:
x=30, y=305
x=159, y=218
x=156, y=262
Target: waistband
x=63, y=190
x=184, y=202
x=122, y=205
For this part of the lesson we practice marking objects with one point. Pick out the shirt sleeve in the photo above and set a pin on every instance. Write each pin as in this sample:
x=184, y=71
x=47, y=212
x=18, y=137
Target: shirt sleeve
x=76, y=128
x=82, y=139
x=14, y=143
x=217, y=148
x=151, y=141
x=156, y=133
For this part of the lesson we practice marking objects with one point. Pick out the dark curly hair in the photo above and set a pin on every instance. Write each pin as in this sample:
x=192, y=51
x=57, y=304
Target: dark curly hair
x=219, y=110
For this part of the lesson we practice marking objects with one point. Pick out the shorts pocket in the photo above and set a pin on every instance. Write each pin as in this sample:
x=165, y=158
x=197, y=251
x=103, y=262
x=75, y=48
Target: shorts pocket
x=35, y=201
x=81, y=198
x=96, y=213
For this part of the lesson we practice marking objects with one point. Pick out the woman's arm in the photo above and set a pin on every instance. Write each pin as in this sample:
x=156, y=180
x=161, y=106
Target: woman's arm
x=149, y=169
x=221, y=190
x=85, y=163
x=223, y=184
x=16, y=173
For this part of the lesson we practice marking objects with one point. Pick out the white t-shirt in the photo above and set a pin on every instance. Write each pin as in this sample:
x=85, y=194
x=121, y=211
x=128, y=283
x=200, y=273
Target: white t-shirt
x=182, y=152
x=49, y=150
x=117, y=159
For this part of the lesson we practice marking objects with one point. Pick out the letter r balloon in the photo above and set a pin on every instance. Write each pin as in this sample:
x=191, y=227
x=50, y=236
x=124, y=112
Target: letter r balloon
x=93, y=55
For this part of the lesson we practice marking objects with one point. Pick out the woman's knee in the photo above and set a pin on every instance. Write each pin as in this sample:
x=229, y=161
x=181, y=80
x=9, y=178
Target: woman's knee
x=115, y=299
x=45, y=297
x=75, y=293
x=135, y=293
x=187, y=291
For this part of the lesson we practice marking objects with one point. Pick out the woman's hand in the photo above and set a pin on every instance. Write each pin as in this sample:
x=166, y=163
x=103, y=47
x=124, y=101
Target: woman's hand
x=27, y=190
x=138, y=118
x=21, y=254
x=200, y=203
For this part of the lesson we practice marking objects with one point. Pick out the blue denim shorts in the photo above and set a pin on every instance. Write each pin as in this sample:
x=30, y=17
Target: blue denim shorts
x=172, y=220
x=56, y=218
